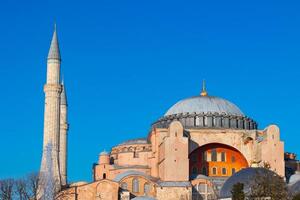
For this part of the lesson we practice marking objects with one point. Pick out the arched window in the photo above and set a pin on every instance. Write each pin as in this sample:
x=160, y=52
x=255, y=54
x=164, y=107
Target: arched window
x=214, y=155
x=135, y=185
x=204, y=156
x=204, y=121
x=194, y=170
x=104, y=176
x=193, y=158
x=124, y=186
x=214, y=170
x=204, y=171
x=223, y=156
x=232, y=159
x=147, y=189
x=111, y=160
x=233, y=171
x=224, y=171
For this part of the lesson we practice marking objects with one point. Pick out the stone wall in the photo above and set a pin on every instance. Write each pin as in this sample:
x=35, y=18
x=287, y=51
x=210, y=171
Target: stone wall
x=174, y=193
x=104, y=189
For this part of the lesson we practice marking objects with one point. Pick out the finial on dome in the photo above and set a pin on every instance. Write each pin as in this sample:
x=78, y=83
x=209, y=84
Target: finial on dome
x=203, y=92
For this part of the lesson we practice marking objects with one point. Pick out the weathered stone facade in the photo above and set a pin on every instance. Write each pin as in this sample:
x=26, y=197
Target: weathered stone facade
x=187, y=155
x=162, y=160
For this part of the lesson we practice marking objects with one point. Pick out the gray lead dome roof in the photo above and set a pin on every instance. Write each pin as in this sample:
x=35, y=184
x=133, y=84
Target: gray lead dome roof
x=245, y=176
x=205, y=104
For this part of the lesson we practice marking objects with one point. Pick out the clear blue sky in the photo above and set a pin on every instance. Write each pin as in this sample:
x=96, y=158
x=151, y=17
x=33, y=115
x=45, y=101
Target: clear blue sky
x=126, y=62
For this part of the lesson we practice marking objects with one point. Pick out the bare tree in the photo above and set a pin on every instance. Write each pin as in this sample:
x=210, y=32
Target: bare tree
x=32, y=181
x=6, y=189
x=21, y=190
x=268, y=185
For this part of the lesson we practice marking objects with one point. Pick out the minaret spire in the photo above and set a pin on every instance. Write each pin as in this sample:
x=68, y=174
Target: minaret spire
x=203, y=92
x=54, y=52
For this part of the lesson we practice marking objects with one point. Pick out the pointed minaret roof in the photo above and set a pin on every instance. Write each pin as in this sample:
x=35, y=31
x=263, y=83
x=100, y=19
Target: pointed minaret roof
x=63, y=96
x=203, y=92
x=54, y=52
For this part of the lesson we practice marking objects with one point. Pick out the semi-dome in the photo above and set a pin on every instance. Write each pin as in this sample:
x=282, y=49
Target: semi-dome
x=205, y=104
x=206, y=111
x=294, y=178
x=245, y=176
x=295, y=188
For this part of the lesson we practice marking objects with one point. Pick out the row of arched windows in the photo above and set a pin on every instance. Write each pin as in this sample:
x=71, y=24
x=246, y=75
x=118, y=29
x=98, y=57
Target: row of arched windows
x=213, y=156
x=209, y=121
x=214, y=171
x=136, y=186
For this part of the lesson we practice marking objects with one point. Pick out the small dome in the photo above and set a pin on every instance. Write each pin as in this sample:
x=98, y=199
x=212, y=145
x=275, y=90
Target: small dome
x=200, y=176
x=104, y=153
x=244, y=176
x=294, y=178
x=205, y=104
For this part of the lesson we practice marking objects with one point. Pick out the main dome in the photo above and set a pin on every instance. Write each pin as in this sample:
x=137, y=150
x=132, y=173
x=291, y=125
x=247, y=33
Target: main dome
x=205, y=104
x=206, y=111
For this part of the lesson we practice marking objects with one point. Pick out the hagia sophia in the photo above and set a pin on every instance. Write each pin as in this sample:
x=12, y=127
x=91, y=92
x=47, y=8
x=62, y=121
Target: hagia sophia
x=190, y=153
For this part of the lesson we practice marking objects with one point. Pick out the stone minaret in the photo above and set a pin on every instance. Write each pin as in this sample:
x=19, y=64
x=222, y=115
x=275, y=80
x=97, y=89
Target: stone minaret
x=63, y=139
x=52, y=89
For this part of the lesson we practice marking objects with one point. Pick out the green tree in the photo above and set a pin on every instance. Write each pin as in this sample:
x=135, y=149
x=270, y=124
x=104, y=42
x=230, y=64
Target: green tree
x=238, y=191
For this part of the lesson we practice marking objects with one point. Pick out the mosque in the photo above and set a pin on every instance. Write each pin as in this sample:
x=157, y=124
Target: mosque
x=188, y=153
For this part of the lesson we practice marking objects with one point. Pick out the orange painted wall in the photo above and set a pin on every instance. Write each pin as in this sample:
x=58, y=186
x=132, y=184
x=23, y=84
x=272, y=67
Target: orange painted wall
x=234, y=160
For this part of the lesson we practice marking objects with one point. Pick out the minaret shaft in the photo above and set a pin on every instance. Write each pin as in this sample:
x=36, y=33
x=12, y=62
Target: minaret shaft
x=52, y=124
x=63, y=137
